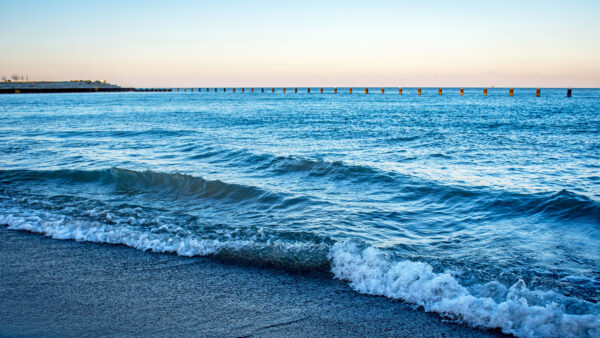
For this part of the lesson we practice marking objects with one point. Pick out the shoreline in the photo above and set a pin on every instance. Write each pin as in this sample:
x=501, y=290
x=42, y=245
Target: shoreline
x=55, y=287
x=74, y=86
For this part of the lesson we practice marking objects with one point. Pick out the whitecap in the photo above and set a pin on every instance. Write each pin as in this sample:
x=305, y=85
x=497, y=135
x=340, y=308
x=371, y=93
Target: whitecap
x=522, y=312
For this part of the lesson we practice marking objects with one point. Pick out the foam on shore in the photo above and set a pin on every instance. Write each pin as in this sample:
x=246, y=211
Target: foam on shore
x=523, y=312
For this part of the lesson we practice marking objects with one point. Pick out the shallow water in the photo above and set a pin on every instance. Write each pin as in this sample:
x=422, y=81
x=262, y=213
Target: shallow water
x=484, y=209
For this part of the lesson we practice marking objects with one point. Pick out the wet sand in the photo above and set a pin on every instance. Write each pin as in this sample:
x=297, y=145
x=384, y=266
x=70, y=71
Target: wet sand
x=66, y=288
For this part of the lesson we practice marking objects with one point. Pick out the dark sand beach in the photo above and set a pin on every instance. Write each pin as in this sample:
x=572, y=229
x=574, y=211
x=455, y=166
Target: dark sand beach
x=67, y=288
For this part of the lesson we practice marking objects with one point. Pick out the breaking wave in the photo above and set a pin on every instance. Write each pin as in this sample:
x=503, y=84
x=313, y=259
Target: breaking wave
x=516, y=310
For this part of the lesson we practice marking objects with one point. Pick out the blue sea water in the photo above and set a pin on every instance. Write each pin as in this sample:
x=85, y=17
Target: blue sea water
x=485, y=209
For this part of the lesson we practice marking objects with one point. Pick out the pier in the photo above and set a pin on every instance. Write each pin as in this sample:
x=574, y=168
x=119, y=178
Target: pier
x=85, y=86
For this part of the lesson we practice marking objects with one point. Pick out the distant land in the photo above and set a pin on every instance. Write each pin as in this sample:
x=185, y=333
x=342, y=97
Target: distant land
x=73, y=86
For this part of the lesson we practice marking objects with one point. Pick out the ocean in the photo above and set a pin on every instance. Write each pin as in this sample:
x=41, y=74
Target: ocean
x=484, y=209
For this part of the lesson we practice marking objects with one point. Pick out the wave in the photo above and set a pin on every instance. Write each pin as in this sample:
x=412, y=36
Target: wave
x=259, y=249
x=563, y=205
x=125, y=180
x=116, y=133
x=337, y=171
x=290, y=165
x=522, y=312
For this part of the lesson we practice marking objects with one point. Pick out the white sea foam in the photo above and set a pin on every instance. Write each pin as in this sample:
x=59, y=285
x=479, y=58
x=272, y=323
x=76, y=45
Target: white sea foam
x=523, y=312
x=59, y=228
x=257, y=247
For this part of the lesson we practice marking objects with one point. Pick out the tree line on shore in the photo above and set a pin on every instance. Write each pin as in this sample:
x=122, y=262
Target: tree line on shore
x=14, y=77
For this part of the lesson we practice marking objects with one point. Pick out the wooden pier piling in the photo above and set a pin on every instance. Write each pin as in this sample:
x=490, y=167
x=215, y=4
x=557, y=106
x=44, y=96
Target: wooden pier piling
x=511, y=91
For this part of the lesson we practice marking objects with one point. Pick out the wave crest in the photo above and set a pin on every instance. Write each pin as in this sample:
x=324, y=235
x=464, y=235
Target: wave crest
x=126, y=180
x=523, y=312
x=260, y=249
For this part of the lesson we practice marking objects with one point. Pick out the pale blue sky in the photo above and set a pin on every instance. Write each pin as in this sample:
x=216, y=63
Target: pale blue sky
x=277, y=43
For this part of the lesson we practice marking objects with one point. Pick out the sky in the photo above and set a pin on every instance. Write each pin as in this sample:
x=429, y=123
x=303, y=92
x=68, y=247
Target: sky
x=304, y=43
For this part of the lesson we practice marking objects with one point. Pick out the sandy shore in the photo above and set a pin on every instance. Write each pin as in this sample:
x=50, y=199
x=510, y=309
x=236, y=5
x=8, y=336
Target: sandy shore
x=58, y=288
